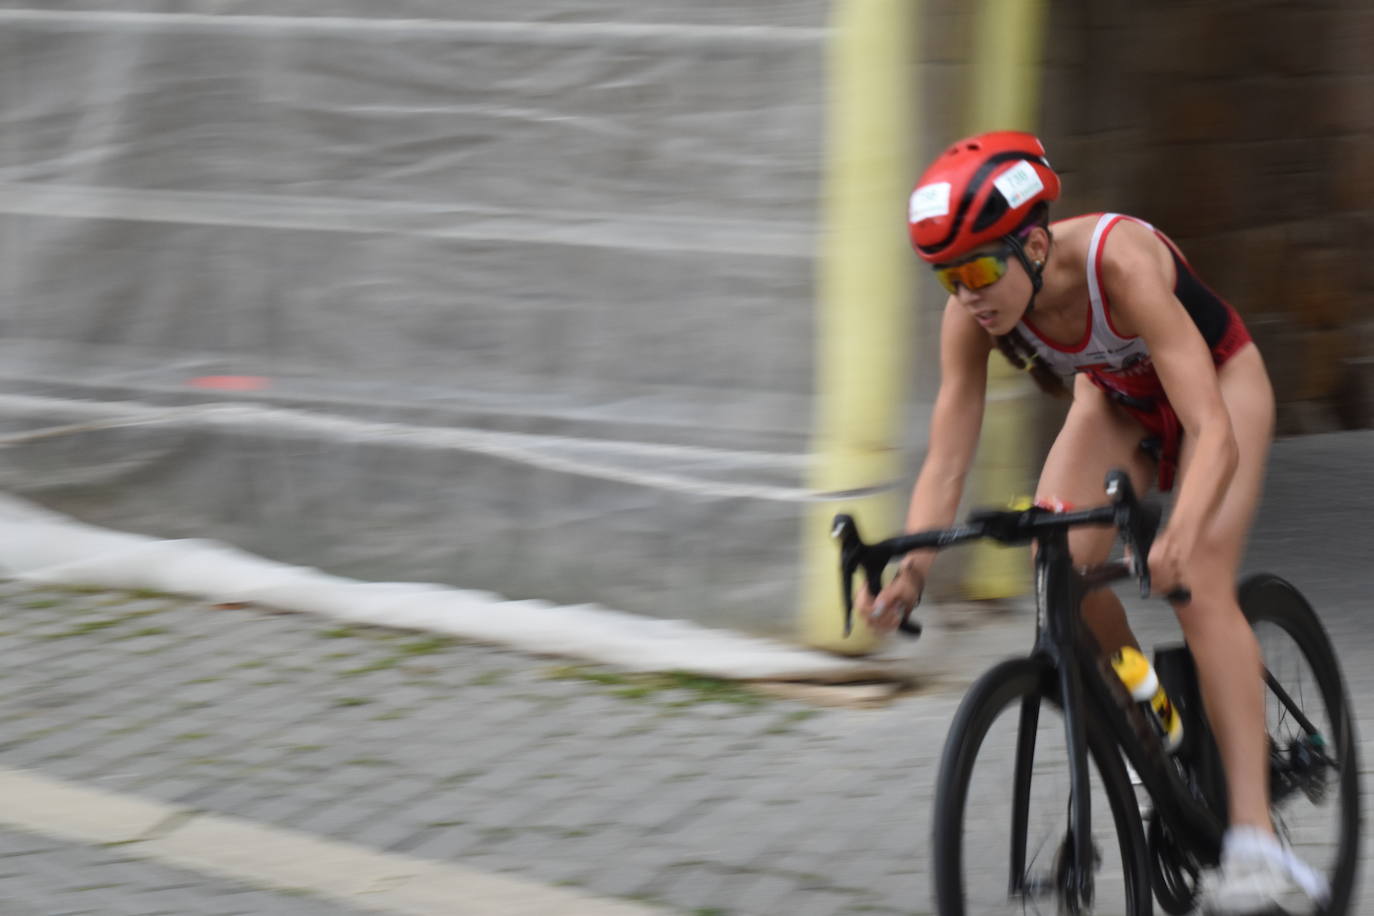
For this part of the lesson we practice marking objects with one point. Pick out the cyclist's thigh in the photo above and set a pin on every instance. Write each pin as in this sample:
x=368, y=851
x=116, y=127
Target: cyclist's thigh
x=1249, y=400
x=1095, y=438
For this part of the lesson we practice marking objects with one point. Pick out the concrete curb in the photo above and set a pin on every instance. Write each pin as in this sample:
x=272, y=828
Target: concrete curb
x=46, y=547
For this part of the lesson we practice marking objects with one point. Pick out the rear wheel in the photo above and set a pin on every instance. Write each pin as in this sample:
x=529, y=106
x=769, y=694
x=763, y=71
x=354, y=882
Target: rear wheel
x=991, y=858
x=1314, y=768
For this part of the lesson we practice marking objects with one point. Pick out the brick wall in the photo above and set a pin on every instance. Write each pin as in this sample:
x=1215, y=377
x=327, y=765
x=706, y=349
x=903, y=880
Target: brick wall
x=1244, y=129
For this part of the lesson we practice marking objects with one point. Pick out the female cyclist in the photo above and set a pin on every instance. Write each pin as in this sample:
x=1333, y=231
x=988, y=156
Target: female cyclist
x=1165, y=382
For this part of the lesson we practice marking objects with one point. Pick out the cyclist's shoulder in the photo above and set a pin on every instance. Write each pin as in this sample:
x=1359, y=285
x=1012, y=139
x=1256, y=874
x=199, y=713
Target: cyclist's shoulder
x=1073, y=234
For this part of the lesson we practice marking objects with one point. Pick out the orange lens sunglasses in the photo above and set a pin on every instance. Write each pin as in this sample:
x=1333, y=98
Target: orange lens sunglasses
x=974, y=273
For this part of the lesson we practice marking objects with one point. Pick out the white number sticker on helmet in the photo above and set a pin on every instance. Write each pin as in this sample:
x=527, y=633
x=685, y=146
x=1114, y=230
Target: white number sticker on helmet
x=1019, y=184
x=929, y=201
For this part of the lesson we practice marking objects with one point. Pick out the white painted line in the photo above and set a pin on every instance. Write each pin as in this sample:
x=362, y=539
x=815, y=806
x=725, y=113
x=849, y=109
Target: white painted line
x=278, y=858
x=73, y=812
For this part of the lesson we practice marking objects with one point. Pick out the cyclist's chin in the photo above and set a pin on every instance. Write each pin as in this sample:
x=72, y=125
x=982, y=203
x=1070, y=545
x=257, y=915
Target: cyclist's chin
x=996, y=321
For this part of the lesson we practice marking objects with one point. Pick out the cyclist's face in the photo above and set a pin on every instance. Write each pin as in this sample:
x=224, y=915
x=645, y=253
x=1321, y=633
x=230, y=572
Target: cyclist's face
x=991, y=284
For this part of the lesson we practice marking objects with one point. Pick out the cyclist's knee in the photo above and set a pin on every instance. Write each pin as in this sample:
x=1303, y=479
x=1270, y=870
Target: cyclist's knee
x=1212, y=568
x=1214, y=600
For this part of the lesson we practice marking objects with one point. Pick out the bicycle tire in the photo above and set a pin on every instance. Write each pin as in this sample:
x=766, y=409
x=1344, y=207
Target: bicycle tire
x=1004, y=684
x=1266, y=598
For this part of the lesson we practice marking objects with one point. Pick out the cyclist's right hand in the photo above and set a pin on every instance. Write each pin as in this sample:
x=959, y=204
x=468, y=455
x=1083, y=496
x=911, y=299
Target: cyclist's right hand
x=895, y=602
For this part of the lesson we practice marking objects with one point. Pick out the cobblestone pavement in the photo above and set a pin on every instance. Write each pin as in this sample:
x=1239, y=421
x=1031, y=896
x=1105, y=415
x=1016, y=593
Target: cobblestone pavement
x=695, y=795
x=698, y=796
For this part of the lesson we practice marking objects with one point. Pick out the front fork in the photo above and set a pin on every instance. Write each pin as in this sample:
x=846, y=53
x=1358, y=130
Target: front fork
x=1055, y=638
x=1078, y=883
x=1076, y=860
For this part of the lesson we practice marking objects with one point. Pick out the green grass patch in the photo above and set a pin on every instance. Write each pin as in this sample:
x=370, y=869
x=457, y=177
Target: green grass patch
x=669, y=685
x=456, y=779
x=789, y=722
x=79, y=589
x=148, y=594
x=427, y=645
x=87, y=627
x=146, y=631
x=392, y=714
x=351, y=701
x=381, y=664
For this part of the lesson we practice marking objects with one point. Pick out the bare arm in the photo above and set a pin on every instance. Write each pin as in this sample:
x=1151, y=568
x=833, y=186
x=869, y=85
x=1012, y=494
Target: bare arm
x=954, y=427
x=1138, y=282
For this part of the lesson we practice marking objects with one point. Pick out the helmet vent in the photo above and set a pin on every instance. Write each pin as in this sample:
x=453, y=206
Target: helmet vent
x=992, y=211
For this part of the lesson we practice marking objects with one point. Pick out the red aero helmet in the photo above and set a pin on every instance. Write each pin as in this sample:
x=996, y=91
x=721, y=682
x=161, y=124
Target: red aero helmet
x=979, y=190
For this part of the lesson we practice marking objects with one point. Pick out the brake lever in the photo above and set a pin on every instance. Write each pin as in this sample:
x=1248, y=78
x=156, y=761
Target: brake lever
x=856, y=555
x=1139, y=523
x=1136, y=522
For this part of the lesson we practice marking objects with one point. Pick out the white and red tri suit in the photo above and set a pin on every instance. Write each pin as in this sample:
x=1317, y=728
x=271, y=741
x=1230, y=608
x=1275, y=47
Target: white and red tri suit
x=1121, y=365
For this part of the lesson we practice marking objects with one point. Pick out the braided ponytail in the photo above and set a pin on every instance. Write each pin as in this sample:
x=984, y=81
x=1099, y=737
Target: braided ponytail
x=1022, y=356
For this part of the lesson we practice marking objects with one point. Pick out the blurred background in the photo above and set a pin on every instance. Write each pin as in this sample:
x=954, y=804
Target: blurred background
x=522, y=295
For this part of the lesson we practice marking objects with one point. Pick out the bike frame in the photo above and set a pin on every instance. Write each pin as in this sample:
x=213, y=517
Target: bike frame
x=1187, y=788
x=1092, y=696
x=1066, y=649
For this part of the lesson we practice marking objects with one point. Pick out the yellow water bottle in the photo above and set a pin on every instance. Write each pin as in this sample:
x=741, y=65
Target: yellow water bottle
x=1140, y=679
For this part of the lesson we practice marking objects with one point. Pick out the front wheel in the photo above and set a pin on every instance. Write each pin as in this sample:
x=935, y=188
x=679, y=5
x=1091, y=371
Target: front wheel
x=1002, y=839
x=1314, y=766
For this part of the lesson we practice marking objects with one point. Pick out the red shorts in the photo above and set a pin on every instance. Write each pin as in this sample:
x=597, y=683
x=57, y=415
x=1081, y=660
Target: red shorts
x=1156, y=414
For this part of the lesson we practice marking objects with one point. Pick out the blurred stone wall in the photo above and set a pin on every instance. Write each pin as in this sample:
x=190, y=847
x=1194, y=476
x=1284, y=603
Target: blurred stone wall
x=1245, y=130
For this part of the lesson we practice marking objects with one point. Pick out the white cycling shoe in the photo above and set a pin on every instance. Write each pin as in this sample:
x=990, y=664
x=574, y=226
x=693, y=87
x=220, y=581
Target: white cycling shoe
x=1259, y=875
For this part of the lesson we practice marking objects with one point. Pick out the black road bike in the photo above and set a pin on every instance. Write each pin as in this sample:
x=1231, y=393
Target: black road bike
x=1041, y=744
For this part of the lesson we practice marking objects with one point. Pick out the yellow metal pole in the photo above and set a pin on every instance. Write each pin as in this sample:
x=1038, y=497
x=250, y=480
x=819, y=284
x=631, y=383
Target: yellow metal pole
x=865, y=322
x=1005, y=95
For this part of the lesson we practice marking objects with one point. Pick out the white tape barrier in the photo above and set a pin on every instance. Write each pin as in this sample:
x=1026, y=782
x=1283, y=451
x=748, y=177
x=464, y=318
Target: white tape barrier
x=555, y=453
x=37, y=545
